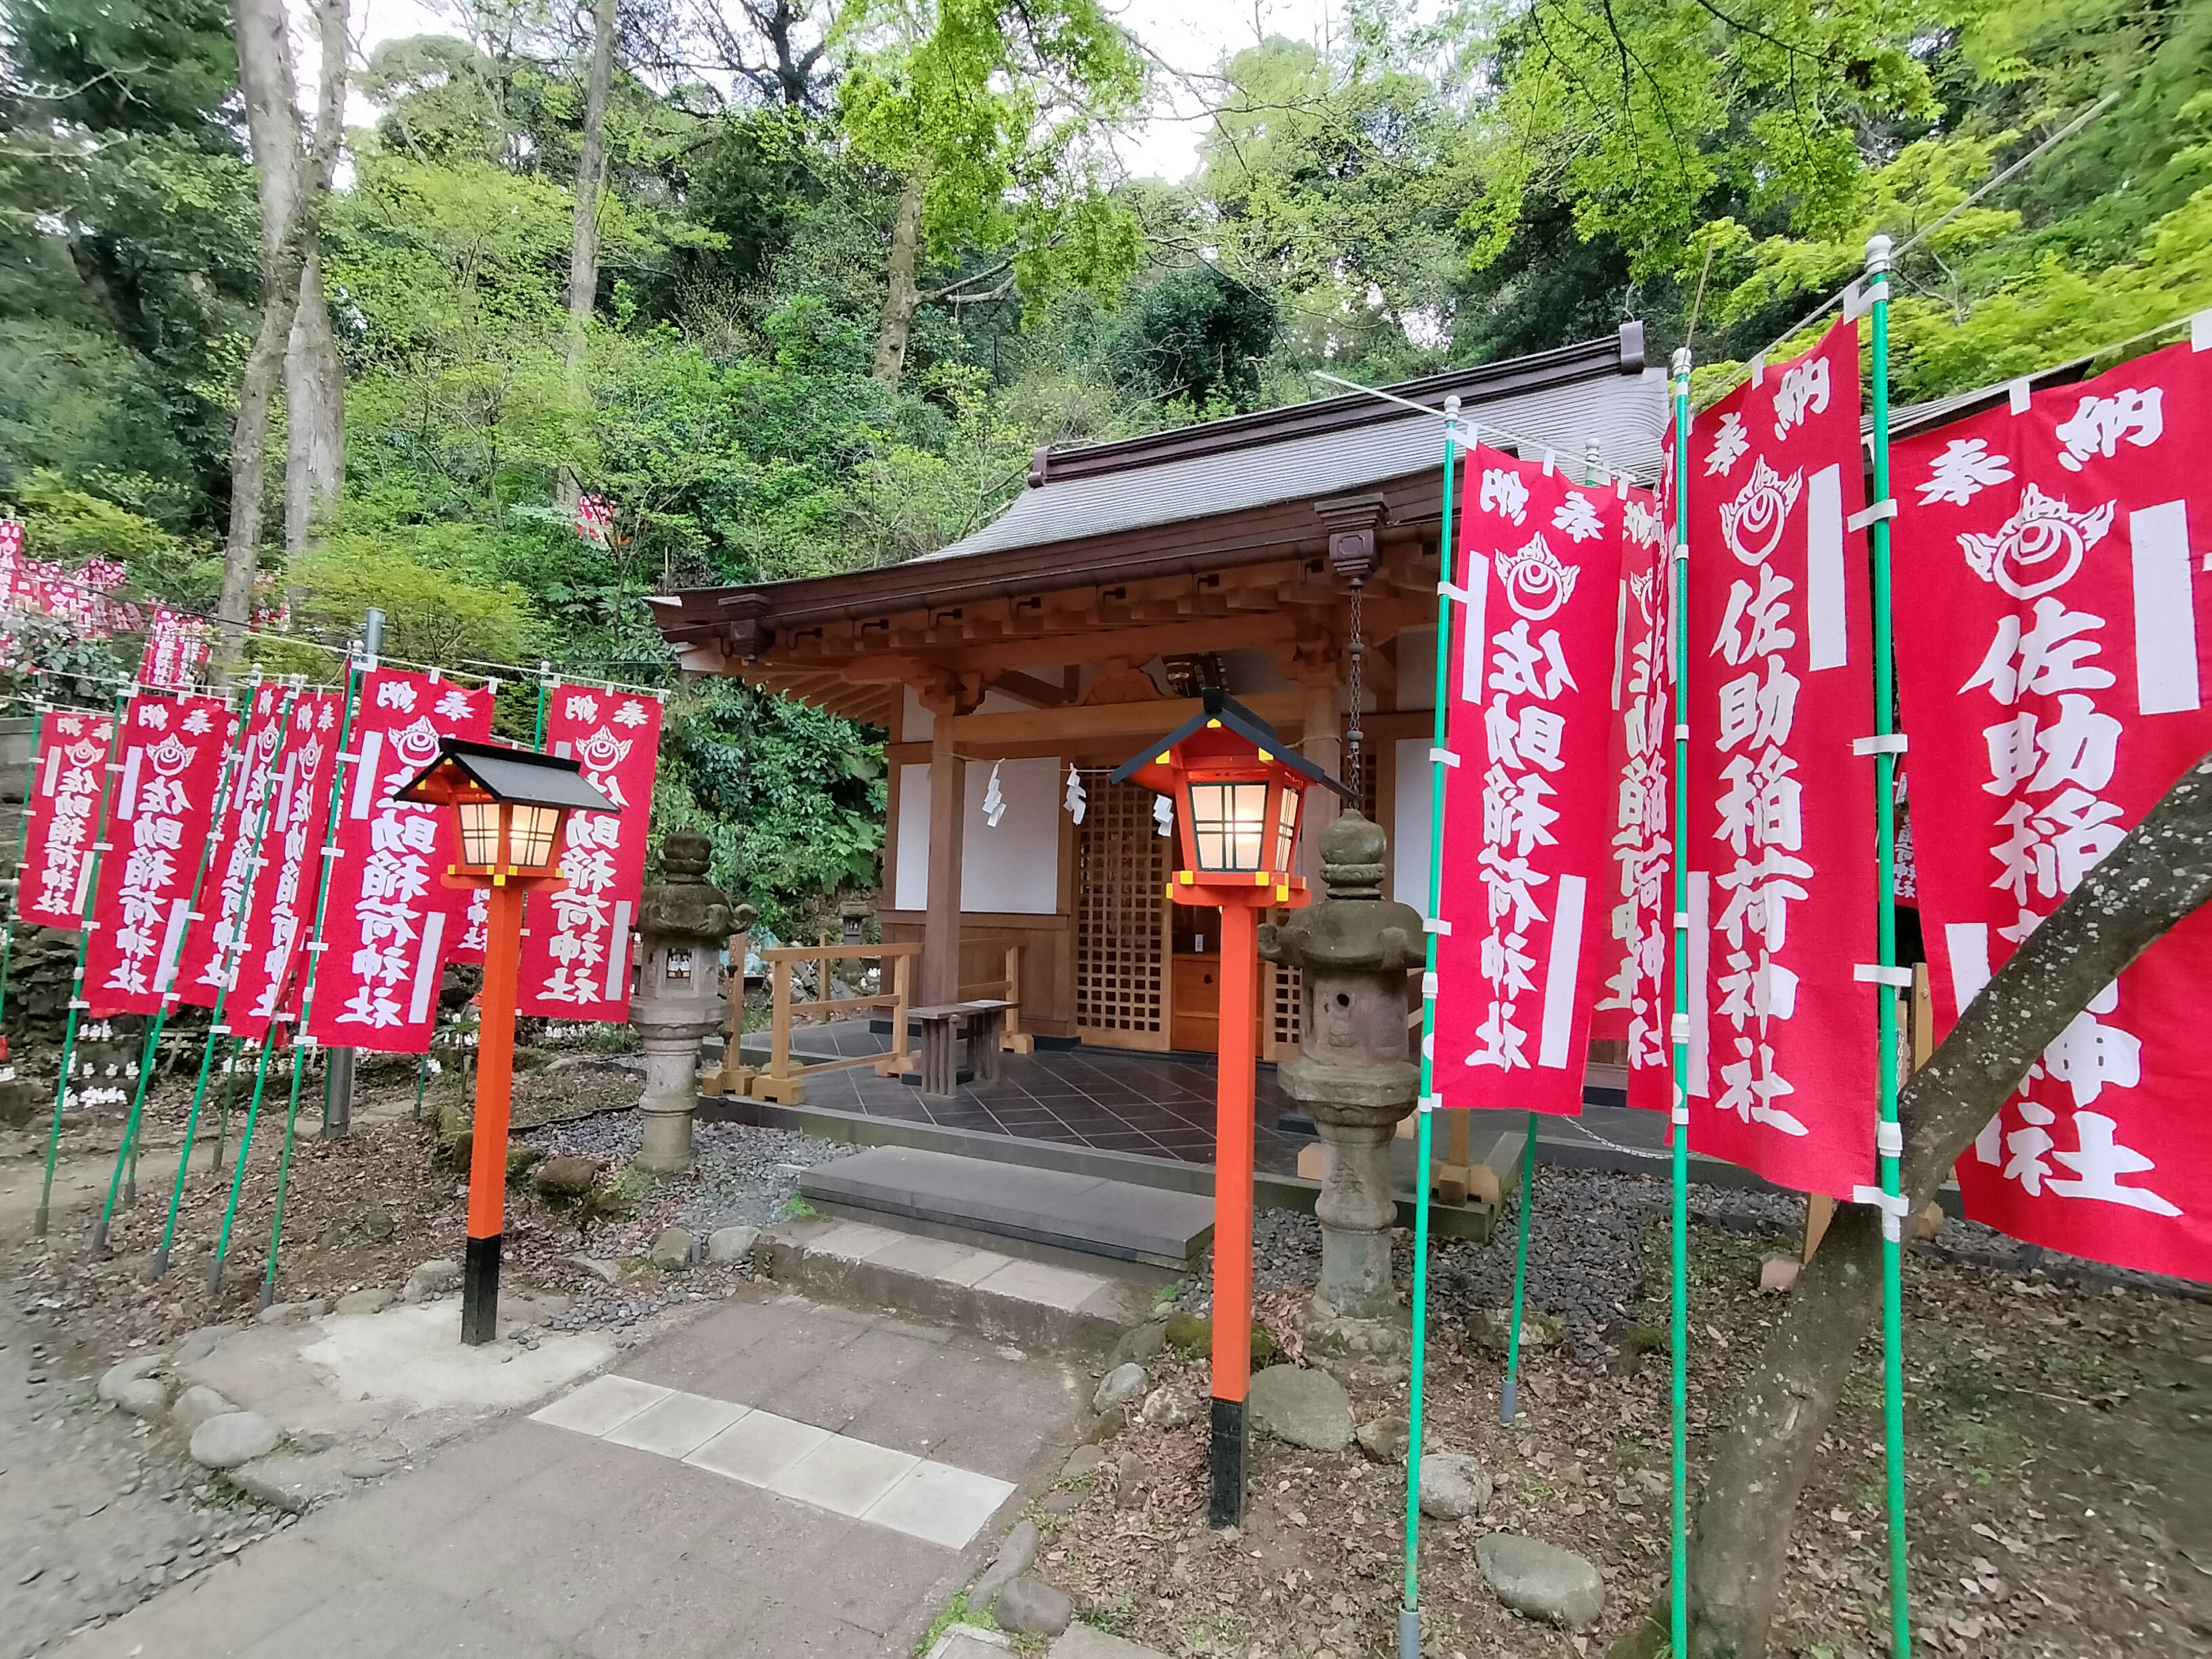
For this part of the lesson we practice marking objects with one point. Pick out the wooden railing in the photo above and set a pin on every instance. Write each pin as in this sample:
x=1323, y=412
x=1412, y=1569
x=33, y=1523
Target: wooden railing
x=1011, y=1038
x=784, y=1081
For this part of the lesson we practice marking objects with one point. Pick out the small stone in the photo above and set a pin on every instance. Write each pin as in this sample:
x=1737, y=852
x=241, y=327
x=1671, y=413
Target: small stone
x=375, y=1299
x=1109, y=1424
x=1083, y=1459
x=1307, y=1408
x=730, y=1246
x=1121, y=1385
x=1542, y=1580
x=519, y=1160
x=1130, y=1476
x=128, y=1375
x=1030, y=1606
x=431, y=1277
x=286, y=1313
x=1166, y=1408
x=1382, y=1438
x=568, y=1177
x=291, y=1481
x=1061, y=1503
x=607, y=1271
x=197, y=1404
x=1777, y=1274
x=1139, y=1346
x=671, y=1251
x=1013, y=1560
x=235, y=1438
x=368, y=1468
x=314, y=1440
x=1188, y=1335
x=148, y=1398
x=1453, y=1486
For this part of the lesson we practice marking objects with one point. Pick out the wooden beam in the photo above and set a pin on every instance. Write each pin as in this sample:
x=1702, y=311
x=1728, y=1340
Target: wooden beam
x=940, y=933
x=1135, y=720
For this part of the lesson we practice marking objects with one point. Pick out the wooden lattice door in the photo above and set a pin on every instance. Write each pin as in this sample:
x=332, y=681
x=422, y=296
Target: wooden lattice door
x=1122, y=869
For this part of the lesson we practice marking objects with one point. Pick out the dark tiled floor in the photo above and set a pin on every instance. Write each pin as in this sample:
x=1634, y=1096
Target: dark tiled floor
x=1160, y=1105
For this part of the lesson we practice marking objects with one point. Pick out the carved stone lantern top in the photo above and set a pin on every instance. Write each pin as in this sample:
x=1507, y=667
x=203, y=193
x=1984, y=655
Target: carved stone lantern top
x=683, y=902
x=1354, y=928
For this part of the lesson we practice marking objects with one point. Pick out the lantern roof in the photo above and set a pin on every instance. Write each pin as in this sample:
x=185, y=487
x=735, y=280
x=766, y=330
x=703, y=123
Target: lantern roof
x=521, y=777
x=1221, y=713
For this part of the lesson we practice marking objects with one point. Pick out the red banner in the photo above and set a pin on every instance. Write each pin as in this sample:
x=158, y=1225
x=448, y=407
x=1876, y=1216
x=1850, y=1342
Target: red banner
x=209, y=952
x=1781, y=898
x=2054, y=626
x=64, y=810
x=389, y=910
x=576, y=951
x=1637, y=757
x=172, y=763
x=176, y=651
x=1517, y=974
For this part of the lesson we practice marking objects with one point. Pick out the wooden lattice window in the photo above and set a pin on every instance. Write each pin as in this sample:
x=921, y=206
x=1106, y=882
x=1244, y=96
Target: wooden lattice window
x=1284, y=1013
x=1121, y=868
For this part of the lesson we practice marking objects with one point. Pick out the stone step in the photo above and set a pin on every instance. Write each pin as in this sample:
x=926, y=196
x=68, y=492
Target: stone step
x=1030, y=1304
x=1089, y=1214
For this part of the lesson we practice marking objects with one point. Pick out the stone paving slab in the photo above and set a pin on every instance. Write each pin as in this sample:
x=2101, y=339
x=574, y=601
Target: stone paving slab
x=531, y=1541
x=1087, y=1214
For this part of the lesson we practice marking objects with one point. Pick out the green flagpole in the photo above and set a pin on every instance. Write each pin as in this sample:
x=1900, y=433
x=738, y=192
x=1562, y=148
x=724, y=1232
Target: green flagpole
x=127, y=1153
x=1679, y=1620
x=314, y=952
x=38, y=713
x=1409, y=1617
x=216, y=1029
x=1889, y=1139
x=91, y=879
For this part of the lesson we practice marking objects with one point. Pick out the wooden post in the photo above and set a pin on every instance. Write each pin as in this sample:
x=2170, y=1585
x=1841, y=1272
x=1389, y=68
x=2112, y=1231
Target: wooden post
x=781, y=1083
x=940, y=929
x=1232, y=1214
x=1012, y=1038
x=900, y=1060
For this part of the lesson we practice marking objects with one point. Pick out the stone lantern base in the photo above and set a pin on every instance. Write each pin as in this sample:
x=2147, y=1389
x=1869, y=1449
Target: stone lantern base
x=672, y=1091
x=1355, y=1312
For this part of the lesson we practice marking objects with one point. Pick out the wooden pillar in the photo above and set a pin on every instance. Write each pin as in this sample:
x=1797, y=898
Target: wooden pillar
x=1323, y=746
x=941, y=930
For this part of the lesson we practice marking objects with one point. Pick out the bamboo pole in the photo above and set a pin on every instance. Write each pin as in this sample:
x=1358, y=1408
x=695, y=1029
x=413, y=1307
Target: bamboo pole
x=127, y=1152
x=91, y=882
x=1409, y=1616
x=313, y=952
x=1889, y=1139
x=1679, y=1115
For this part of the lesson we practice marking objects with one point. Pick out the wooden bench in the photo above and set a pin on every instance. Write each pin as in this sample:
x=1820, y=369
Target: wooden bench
x=945, y=1026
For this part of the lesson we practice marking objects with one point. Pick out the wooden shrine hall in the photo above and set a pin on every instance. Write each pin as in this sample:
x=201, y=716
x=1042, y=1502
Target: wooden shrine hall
x=1087, y=619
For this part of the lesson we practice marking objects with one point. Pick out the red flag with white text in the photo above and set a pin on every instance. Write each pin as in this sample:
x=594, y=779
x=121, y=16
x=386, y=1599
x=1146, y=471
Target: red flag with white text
x=1517, y=974
x=210, y=947
x=1639, y=755
x=1781, y=856
x=575, y=952
x=170, y=767
x=64, y=817
x=390, y=912
x=2054, y=625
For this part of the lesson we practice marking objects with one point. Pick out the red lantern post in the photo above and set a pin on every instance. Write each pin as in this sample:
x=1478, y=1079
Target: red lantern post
x=1238, y=795
x=509, y=809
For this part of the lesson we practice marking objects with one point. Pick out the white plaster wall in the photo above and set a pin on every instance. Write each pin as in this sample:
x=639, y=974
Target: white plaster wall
x=1013, y=869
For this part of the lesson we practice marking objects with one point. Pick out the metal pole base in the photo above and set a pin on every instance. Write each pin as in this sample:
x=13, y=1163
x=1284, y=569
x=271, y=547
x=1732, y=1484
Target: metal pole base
x=480, y=1290
x=129, y=1193
x=268, y=1293
x=215, y=1276
x=1508, y=1402
x=38, y=1222
x=99, y=1238
x=160, y=1262
x=1409, y=1634
x=1232, y=1442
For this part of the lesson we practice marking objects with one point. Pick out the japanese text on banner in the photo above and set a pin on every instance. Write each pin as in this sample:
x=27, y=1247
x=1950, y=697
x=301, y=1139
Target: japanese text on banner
x=389, y=910
x=1539, y=558
x=1780, y=841
x=212, y=946
x=171, y=762
x=2054, y=647
x=64, y=807
x=575, y=954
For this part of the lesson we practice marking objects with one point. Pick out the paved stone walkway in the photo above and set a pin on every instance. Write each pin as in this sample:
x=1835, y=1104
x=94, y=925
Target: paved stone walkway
x=541, y=1542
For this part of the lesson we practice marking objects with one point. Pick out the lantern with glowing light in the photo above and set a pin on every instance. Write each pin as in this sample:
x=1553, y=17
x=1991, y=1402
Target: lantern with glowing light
x=1239, y=796
x=510, y=807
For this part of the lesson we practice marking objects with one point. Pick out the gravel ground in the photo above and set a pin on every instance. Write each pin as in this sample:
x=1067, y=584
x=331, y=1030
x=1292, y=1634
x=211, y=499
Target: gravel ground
x=746, y=1177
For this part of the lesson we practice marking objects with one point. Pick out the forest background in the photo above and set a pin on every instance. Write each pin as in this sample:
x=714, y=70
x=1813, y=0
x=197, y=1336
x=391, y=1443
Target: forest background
x=797, y=287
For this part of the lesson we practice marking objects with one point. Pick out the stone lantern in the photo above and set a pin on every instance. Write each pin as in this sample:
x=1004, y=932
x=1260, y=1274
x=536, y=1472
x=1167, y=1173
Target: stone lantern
x=683, y=923
x=1354, y=1075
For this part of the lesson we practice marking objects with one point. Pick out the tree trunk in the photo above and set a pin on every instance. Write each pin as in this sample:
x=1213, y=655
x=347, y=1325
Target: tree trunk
x=1738, y=1546
x=314, y=414
x=291, y=177
x=903, y=297
x=584, y=244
